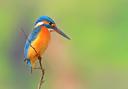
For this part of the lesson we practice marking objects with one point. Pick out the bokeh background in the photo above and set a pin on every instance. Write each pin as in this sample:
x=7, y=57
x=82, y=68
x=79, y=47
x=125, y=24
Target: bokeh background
x=98, y=50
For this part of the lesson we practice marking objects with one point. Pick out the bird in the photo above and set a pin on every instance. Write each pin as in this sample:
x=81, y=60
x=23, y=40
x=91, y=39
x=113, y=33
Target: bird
x=38, y=40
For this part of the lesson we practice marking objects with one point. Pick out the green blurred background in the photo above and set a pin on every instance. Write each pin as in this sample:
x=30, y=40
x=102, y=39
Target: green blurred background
x=99, y=45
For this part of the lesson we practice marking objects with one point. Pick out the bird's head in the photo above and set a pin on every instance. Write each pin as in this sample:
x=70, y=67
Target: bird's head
x=50, y=24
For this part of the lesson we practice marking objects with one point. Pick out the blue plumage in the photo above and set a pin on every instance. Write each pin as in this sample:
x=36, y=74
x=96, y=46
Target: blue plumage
x=31, y=38
x=45, y=18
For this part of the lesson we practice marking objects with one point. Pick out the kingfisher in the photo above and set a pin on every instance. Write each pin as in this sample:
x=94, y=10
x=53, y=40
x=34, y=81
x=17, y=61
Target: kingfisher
x=38, y=40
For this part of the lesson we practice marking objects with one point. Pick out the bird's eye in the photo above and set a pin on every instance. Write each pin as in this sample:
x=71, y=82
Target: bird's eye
x=50, y=23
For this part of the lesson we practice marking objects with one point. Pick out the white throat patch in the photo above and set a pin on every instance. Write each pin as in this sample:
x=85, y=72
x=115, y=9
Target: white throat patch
x=50, y=30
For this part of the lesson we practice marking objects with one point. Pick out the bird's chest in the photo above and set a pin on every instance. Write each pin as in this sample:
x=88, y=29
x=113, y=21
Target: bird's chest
x=42, y=40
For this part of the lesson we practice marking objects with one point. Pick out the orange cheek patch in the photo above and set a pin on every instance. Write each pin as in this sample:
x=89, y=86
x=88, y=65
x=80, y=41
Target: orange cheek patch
x=45, y=22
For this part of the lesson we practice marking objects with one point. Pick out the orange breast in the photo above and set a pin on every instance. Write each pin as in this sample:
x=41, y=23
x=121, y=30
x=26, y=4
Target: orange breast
x=40, y=44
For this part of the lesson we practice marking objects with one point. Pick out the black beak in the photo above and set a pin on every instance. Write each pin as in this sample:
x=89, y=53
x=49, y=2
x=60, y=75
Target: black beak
x=60, y=32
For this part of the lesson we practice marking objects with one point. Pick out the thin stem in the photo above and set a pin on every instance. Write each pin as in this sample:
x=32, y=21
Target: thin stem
x=42, y=76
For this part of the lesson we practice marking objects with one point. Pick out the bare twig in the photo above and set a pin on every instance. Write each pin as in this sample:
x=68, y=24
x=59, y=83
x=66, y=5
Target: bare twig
x=42, y=76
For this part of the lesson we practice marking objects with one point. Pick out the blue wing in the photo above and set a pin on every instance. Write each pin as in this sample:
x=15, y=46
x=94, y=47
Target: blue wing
x=31, y=37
